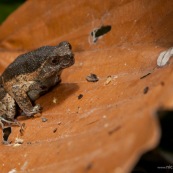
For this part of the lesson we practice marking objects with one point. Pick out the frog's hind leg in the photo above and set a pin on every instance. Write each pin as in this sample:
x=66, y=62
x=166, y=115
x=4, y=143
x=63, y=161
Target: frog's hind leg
x=7, y=114
x=6, y=128
x=23, y=100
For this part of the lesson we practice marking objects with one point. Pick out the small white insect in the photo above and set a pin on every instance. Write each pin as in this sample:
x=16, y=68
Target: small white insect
x=12, y=171
x=164, y=57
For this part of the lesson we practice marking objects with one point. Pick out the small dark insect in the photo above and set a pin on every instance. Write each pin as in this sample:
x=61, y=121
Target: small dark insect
x=92, y=78
x=146, y=90
x=80, y=96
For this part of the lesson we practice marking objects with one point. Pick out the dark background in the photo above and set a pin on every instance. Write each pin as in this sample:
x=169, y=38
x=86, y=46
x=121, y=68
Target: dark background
x=7, y=7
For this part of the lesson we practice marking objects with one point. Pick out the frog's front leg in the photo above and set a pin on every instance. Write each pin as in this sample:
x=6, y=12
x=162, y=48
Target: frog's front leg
x=19, y=93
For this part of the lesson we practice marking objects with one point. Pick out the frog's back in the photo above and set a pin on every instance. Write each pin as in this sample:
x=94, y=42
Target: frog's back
x=27, y=63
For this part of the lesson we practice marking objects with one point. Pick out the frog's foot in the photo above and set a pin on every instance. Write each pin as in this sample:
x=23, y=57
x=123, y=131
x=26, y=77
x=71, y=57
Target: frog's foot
x=36, y=109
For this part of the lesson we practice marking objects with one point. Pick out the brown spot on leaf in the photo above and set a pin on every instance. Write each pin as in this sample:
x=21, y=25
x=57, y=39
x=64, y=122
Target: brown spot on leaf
x=146, y=89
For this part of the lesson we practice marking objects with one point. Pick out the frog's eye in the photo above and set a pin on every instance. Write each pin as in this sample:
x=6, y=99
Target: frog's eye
x=65, y=44
x=55, y=61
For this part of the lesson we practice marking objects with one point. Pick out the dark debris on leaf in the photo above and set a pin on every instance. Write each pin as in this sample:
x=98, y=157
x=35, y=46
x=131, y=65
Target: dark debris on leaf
x=145, y=76
x=80, y=96
x=54, y=131
x=146, y=89
x=92, y=78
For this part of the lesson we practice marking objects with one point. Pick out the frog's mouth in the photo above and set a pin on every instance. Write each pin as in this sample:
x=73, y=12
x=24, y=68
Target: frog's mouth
x=67, y=61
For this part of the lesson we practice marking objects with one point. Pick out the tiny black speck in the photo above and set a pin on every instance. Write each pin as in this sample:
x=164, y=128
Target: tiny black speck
x=80, y=96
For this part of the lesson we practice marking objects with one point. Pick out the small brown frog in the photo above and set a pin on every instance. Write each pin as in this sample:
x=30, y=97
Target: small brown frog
x=27, y=78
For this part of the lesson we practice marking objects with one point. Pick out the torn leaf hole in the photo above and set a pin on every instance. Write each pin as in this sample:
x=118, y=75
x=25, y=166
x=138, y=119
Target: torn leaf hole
x=6, y=133
x=96, y=33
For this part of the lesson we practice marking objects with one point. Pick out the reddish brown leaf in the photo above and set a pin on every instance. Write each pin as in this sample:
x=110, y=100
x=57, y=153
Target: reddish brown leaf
x=112, y=125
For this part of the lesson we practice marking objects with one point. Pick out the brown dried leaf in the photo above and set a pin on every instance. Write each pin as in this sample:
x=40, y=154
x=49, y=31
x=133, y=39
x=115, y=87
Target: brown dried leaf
x=109, y=128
